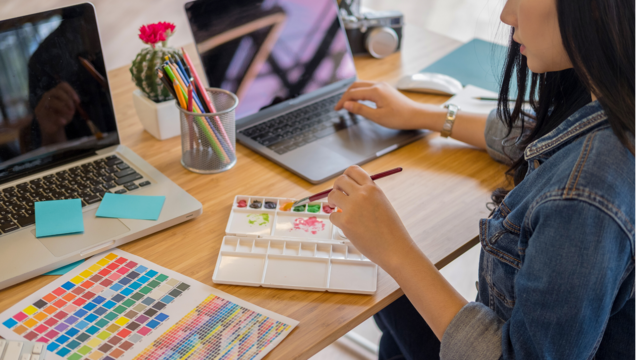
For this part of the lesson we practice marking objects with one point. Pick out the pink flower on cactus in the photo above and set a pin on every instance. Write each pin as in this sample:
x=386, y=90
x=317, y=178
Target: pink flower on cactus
x=154, y=33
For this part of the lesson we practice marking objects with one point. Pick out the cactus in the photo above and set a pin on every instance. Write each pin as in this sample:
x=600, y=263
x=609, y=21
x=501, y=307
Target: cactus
x=143, y=68
x=144, y=74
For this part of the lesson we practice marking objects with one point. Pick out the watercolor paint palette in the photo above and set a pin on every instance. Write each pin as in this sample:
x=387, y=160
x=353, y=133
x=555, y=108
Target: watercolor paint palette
x=273, y=245
x=262, y=216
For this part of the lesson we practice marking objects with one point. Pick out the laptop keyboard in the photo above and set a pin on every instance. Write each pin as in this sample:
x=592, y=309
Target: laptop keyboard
x=88, y=182
x=302, y=126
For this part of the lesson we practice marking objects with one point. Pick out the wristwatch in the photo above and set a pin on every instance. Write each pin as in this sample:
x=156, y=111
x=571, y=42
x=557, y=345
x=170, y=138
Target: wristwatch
x=452, y=111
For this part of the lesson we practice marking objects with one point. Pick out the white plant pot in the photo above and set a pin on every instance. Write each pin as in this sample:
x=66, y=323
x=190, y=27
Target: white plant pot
x=162, y=120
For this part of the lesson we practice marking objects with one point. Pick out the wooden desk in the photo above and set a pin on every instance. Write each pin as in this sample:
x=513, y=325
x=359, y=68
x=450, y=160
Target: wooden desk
x=440, y=196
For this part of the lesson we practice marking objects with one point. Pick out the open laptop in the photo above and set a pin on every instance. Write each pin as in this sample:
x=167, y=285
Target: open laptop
x=289, y=62
x=59, y=140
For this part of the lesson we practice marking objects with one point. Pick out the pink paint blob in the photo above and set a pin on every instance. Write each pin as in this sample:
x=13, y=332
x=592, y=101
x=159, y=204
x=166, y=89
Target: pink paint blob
x=327, y=209
x=242, y=203
x=312, y=225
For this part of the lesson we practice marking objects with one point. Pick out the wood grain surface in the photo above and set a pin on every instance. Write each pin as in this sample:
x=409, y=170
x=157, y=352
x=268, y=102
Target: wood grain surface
x=440, y=196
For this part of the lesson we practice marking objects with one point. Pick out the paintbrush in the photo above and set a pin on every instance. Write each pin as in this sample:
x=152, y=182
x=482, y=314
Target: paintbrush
x=324, y=194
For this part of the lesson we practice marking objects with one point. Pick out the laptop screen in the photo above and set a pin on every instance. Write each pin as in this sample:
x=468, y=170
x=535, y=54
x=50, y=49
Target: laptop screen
x=270, y=51
x=55, y=104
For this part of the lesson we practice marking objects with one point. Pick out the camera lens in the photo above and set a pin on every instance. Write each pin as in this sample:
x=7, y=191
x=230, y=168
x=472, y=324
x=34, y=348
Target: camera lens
x=381, y=42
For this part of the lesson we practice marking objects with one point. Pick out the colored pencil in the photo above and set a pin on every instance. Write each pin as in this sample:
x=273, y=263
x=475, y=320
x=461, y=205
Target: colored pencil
x=204, y=126
x=205, y=96
x=179, y=98
x=324, y=194
x=220, y=130
x=166, y=83
x=190, y=99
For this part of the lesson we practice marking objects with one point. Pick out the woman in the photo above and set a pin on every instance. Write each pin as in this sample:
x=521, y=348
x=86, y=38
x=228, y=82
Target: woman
x=557, y=268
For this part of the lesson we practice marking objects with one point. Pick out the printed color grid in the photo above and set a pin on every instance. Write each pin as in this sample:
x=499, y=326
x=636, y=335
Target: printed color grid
x=102, y=312
x=216, y=329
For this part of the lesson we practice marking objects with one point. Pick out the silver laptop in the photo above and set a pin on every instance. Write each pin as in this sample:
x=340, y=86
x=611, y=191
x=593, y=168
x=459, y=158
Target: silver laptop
x=289, y=62
x=59, y=140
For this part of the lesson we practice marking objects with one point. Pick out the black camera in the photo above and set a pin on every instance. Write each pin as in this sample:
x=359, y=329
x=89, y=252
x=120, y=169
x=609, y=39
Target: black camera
x=377, y=33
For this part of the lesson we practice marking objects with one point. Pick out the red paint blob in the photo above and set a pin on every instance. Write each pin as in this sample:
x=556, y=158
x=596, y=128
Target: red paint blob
x=312, y=225
x=242, y=203
x=327, y=209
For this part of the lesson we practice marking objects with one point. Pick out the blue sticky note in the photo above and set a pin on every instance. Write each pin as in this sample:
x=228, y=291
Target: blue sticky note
x=130, y=206
x=58, y=217
x=65, y=269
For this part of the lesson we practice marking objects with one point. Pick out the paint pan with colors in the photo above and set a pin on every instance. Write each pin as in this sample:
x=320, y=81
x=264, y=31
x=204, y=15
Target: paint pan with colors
x=286, y=206
x=277, y=217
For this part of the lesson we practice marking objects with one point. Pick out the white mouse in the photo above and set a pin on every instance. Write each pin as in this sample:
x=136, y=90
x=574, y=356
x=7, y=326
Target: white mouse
x=430, y=83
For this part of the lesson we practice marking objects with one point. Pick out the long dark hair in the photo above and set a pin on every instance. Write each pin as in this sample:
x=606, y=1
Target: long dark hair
x=599, y=37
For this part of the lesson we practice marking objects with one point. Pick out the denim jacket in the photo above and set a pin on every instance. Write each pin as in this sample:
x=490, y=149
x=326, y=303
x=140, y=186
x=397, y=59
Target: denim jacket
x=557, y=266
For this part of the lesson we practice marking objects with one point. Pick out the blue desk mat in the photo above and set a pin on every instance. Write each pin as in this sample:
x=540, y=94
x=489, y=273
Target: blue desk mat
x=478, y=63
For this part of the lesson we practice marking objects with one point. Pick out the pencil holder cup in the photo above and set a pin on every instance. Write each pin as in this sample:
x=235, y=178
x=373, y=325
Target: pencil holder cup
x=209, y=139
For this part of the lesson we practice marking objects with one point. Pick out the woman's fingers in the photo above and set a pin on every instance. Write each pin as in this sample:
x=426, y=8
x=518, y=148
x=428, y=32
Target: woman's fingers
x=345, y=184
x=337, y=198
x=358, y=175
x=365, y=92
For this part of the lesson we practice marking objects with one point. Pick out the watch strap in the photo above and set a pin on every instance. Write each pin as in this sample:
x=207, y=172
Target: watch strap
x=452, y=111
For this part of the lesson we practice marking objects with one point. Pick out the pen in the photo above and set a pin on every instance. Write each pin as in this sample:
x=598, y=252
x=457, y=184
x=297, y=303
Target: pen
x=495, y=99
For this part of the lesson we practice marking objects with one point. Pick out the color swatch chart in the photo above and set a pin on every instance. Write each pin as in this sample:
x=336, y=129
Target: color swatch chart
x=101, y=312
x=217, y=329
x=120, y=306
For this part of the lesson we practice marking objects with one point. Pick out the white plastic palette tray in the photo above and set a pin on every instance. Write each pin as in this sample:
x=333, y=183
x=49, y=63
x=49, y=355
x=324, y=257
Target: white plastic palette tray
x=263, y=221
x=276, y=251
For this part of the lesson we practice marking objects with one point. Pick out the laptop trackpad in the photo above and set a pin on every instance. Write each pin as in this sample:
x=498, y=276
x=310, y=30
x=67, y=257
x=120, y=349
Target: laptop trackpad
x=96, y=230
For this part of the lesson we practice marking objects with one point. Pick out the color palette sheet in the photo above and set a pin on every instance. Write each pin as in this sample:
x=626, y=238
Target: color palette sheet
x=117, y=305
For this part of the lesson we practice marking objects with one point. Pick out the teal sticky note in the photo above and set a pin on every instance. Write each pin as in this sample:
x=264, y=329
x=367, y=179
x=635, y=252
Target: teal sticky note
x=478, y=63
x=59, y=217
x=65, y=269
x=130, y=206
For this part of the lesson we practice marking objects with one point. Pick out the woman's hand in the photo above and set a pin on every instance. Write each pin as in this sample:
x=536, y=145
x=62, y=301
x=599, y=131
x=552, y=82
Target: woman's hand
x=393, y=110
x=368, y=220
x=396, y=111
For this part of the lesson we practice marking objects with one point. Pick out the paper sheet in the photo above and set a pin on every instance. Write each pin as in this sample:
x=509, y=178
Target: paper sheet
x=58, y=217
x=131, y=206
x=117, y=305
x=465, y=100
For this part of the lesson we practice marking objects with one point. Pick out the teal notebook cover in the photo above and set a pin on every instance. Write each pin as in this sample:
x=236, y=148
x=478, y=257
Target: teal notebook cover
x=477, y=62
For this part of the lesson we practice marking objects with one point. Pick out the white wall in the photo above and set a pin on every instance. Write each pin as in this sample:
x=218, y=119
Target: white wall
x=118, y=20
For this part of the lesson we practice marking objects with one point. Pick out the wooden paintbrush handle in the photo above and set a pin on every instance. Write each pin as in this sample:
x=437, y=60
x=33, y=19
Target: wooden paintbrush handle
x=374, y=177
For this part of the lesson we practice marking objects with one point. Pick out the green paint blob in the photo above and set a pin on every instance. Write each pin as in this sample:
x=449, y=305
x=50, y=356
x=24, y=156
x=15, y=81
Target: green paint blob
x=313, y=208
x=299, y=208
x=258, y=219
